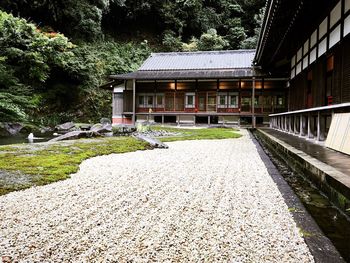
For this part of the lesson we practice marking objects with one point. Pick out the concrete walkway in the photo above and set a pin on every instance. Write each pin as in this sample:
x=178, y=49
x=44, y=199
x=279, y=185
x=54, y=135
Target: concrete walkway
x=337, y=160
x=198, y=201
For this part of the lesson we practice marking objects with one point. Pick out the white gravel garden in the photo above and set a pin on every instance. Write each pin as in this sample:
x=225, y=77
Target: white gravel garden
x=198, y=201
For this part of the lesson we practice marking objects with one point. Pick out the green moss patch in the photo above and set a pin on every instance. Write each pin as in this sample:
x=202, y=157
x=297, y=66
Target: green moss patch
x=25, y=165
x=199, y=134
x=40, y=164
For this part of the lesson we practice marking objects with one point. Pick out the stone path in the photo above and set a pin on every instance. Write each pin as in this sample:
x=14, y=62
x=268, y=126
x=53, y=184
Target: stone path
x=210, y=201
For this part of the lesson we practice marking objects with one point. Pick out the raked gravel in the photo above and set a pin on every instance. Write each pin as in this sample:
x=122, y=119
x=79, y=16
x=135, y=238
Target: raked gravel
x=198, y=201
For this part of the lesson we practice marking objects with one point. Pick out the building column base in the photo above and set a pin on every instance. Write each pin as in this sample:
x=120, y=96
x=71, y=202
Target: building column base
x=121, y=120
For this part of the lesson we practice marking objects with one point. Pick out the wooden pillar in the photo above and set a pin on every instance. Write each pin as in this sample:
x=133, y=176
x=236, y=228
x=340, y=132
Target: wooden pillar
x=310, y=126
x=208, y=120
x=321, y=127
x=286, y=123
x=133, y=101
x=253, y=105
x=282, y=123
x=276, y=122
x=301, y=125
x=163, y=119
x=175, y=95
x=318, y=126
x=305, y=125
x=290, y=123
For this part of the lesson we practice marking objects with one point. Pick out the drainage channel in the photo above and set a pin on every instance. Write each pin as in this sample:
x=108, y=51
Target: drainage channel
x=333, y=223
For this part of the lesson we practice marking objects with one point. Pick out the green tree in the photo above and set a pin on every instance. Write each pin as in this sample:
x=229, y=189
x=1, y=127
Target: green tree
x=171, y=42
x=211, y=41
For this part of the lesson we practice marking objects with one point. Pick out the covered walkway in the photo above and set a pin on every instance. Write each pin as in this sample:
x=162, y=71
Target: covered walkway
x=337, y=160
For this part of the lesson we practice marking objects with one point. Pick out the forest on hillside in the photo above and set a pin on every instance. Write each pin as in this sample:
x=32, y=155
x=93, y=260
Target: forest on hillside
x=54, y=54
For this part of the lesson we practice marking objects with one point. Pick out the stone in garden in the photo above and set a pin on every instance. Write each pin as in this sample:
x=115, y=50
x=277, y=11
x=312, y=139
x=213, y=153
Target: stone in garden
x=65, y=126
x=152, y=141
x=105, y=121
x=101, y=128
x=75, y=135
x=11, y=128
x=46, y=129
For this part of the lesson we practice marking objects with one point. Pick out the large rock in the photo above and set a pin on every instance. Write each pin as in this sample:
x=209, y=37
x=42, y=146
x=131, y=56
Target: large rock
x=46, y=129
x=101, y=128
x=76, y=135
x=10, y=128
x=152, y=141
x=65, y=126
x=105, y=121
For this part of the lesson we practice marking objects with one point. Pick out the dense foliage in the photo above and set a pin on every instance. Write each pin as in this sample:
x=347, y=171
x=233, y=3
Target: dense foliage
x=46, y=77
x=233, y=20
x=43, y=73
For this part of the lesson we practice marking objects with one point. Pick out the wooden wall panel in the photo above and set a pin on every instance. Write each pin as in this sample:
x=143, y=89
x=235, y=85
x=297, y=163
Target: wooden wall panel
x=346, y=71
x=337, y=76
x=319, y=82
x=298, y=88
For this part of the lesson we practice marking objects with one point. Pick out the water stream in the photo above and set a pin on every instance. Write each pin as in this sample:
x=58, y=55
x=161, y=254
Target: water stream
x=334, y=223
x=22, y=138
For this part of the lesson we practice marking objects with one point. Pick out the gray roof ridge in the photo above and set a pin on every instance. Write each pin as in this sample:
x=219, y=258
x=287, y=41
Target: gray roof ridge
x=194, y=69
x=203, y=52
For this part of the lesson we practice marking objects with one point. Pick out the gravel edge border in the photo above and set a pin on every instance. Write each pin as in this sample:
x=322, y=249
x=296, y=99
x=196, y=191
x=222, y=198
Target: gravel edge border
x=320, y=246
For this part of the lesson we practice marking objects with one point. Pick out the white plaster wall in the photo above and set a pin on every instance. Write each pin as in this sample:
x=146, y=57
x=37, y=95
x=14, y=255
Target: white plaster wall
x=334, y=37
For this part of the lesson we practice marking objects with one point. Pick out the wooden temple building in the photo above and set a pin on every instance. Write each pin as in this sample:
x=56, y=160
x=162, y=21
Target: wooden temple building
x=309, y=42
x=297, y=79
x=211, y=87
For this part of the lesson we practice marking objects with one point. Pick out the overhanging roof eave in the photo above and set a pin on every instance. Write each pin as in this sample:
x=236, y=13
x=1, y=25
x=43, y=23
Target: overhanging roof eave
x=203, y=74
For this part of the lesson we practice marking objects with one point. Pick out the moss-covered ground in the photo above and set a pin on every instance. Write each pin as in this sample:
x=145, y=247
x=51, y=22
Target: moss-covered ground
x=199, y=134
x=25, y=165
x=43, y=163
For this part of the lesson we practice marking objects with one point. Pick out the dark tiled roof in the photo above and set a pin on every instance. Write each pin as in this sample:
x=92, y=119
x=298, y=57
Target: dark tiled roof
x=191, y=65
x=187, y=74
x=202, y=60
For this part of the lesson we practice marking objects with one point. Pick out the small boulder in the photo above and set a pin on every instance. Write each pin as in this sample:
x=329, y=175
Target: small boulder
x=96, y=127
x=101, y=128
x=152, y=141
x=75, y=135
x=46, y=129
x=105, y=121
x=65, y=126
x=12, y=128
x=85, y=127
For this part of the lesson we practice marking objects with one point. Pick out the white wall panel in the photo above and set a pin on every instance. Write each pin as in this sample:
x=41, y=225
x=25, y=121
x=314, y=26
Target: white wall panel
x=292, y=74
x=305, y=62
x=313, y=55
x=322, y=47
x=347, y=5
x=313, y=39
x=298, y=70
x=306, y=47
x=300, y=54
x=334, y=36
x=293, y=61
x=347, y=25
x=335, y=14
x=338, y=137
x=322, y=30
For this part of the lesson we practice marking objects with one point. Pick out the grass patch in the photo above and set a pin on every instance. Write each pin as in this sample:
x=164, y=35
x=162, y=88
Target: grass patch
x=199, y=134
x=25, y=165
x=304, y=233
x=41, y=164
